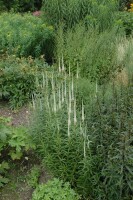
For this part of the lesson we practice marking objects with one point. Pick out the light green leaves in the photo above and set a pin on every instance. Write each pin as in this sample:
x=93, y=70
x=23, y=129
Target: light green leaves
x=55, y=189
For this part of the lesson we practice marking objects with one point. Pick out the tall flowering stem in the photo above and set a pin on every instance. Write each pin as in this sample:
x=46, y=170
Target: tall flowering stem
x=59, y=66
x=75, y=117
x=83, y=115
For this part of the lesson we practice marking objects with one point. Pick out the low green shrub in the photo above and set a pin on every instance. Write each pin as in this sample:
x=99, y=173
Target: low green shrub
x=54, y=189
x=25, y=35
x=18, y=79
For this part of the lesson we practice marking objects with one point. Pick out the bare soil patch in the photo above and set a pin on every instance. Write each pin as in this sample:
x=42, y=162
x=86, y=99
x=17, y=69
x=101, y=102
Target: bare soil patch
x=18, y=117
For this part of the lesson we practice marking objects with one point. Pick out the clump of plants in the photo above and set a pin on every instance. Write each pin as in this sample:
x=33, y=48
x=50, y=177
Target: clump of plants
x=72, y=12
x=25, y=35
x=125, y=20
x=89, y=145
x=95, y=55
x=55, y=189
x=18, y=78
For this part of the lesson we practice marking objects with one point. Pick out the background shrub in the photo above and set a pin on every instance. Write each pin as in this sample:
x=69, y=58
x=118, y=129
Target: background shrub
x=25, y=35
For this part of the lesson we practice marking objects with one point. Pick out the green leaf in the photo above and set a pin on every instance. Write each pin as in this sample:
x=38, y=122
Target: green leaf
x=3, y=181
x=15, y=155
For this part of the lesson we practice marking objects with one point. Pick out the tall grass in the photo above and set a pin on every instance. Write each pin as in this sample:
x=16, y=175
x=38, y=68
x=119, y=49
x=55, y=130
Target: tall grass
x=94, y=54
x=129, y=56
x=71, y=12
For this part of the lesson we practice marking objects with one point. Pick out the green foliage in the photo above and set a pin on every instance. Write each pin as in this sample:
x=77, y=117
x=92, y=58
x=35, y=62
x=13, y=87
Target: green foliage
x=95, y=154
x=71, y=12
x=128, y=57
x=54, y=189
x=13, y=142
x=123, y=4
x=33, y=177
x=95, y=54
x=18, y=78
x=3, y=170
x=113, y=131
x=125, y=19
x=102, y=15
x=25, y=35
x=19, y=142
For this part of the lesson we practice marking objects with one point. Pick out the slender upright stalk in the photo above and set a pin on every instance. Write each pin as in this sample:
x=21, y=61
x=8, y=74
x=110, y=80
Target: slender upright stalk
x=62, y=93
x=77, y=74
x=33, y=102
x=43, y=80
x=59, y=92
x=83, y=116
x=63, y=67
x=69, y=104
x=59, y=66
x=72, y=89
x=69, y=122
x=65, y=89
x=75, y=117
x=55, y=109
x=52, y=82
x=69, y=70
